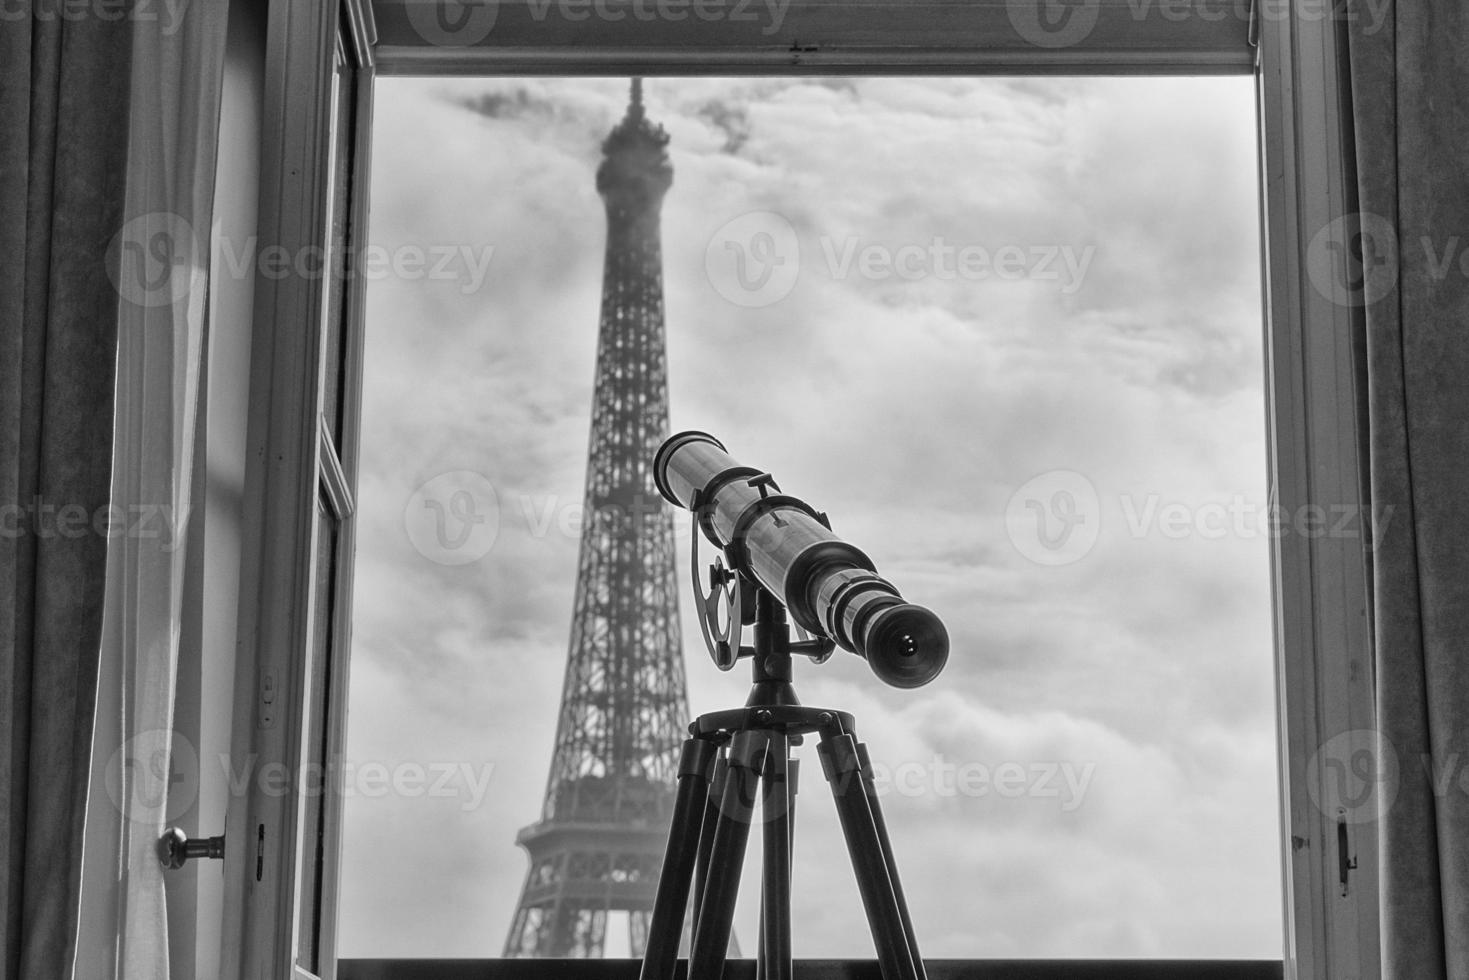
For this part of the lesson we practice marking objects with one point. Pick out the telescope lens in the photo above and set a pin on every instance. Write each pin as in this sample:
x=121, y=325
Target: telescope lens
x=906, y=645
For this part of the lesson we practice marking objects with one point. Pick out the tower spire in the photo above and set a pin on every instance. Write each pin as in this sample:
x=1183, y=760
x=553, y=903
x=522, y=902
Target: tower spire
x=599, y=843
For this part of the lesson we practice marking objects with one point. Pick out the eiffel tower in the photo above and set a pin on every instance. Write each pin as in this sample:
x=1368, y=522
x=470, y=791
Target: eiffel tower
x=609, y=798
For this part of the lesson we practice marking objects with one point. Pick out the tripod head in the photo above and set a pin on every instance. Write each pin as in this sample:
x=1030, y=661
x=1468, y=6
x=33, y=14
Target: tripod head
x=781, y=545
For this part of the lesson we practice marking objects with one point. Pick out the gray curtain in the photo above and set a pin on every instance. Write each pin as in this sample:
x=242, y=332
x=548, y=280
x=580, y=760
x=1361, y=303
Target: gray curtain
x=1411, y=117
x=63, y=149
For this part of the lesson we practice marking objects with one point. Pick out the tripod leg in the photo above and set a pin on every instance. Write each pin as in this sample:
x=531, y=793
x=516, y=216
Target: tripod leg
x=762, y=947
x=717, y=783
x=775, y=901
x=660, y=955
x=793, y=772
x=727, y=855
x=870, y=787
x=843, y=767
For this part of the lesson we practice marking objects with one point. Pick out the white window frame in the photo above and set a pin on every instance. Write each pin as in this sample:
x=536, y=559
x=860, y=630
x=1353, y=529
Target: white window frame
x=291, y=463
x=1316, y=431
x=1322, y=614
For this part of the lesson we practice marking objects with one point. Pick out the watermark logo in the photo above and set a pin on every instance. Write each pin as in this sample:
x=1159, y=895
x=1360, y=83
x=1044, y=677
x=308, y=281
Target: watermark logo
x=1054, y=518
x=452, y=23
x=153, y=776
x=454, y=518
x=167, y=14
x=1247, y=519
x=1371, y=13
x=370, y=780
x=1354, y=776
x=1065, y=781
x=1053, y=23
x=465, y=264
x=47, y=519
x=754, y=260
x=153, y=260
x=941, y=259
x=1353, y=261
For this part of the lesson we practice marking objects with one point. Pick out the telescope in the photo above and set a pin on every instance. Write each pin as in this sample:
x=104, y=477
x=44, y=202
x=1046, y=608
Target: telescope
x=783, y=560
x=782, y=544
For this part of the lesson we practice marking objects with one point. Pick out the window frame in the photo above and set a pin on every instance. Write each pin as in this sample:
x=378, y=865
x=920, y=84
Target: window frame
x=612, y=37
x=293, y=463
x=1315, y=437
x=1317, y=432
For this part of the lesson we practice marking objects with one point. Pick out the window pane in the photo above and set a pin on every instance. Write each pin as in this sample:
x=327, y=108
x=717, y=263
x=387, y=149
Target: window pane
x=342, y=262
x=1006, y=332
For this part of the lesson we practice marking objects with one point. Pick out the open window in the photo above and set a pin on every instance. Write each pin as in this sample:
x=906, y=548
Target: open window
x=946, y=312
x=1323, y=684
x=299, y=511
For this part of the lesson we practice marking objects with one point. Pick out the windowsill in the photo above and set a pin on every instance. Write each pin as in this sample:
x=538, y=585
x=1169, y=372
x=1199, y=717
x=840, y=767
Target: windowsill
x=1026, y=969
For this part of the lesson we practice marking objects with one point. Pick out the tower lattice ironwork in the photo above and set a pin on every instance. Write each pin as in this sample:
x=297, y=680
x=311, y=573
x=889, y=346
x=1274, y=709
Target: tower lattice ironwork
x=599, y=843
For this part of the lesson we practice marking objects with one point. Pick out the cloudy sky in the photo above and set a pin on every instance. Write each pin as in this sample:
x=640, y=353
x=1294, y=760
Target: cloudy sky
x=1005, y=331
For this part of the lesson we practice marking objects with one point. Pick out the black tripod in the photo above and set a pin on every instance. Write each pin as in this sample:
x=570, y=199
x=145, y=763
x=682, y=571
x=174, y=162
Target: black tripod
x=729, y=758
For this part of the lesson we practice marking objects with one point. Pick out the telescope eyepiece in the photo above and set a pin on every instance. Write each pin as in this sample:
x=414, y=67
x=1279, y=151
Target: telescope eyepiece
x=905, y=645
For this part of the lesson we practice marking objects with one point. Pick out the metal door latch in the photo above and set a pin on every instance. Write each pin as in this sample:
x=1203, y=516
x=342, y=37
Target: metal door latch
x=175, y=848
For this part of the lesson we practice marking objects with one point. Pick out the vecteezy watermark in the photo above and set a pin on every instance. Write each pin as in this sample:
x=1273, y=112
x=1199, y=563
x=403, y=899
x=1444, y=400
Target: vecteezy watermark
x=570, y=519
x=1354, y=777
x=454, y=518
x=1053, y=23
x=944, y=260
x=770, y=14
x=453, y=23
x=1353, y=261
x=1056, y=518
x=450, y=23
x=1067, y=23
x=153, y=777
x=463, y=781
x=465, y=264
x=755, y=259
x=1271, y=11
x=1241, y=517
x=1065, y=782
x=156, y=260
x=939, y=778
x=168, y=14
x=48, y=519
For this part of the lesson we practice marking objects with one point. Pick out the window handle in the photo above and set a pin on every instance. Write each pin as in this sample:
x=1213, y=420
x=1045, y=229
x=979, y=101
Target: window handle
x=1344, y=864
x=175, y=848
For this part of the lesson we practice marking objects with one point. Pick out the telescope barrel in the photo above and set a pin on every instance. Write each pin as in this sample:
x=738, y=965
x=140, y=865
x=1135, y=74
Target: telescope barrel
x=830, y=587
